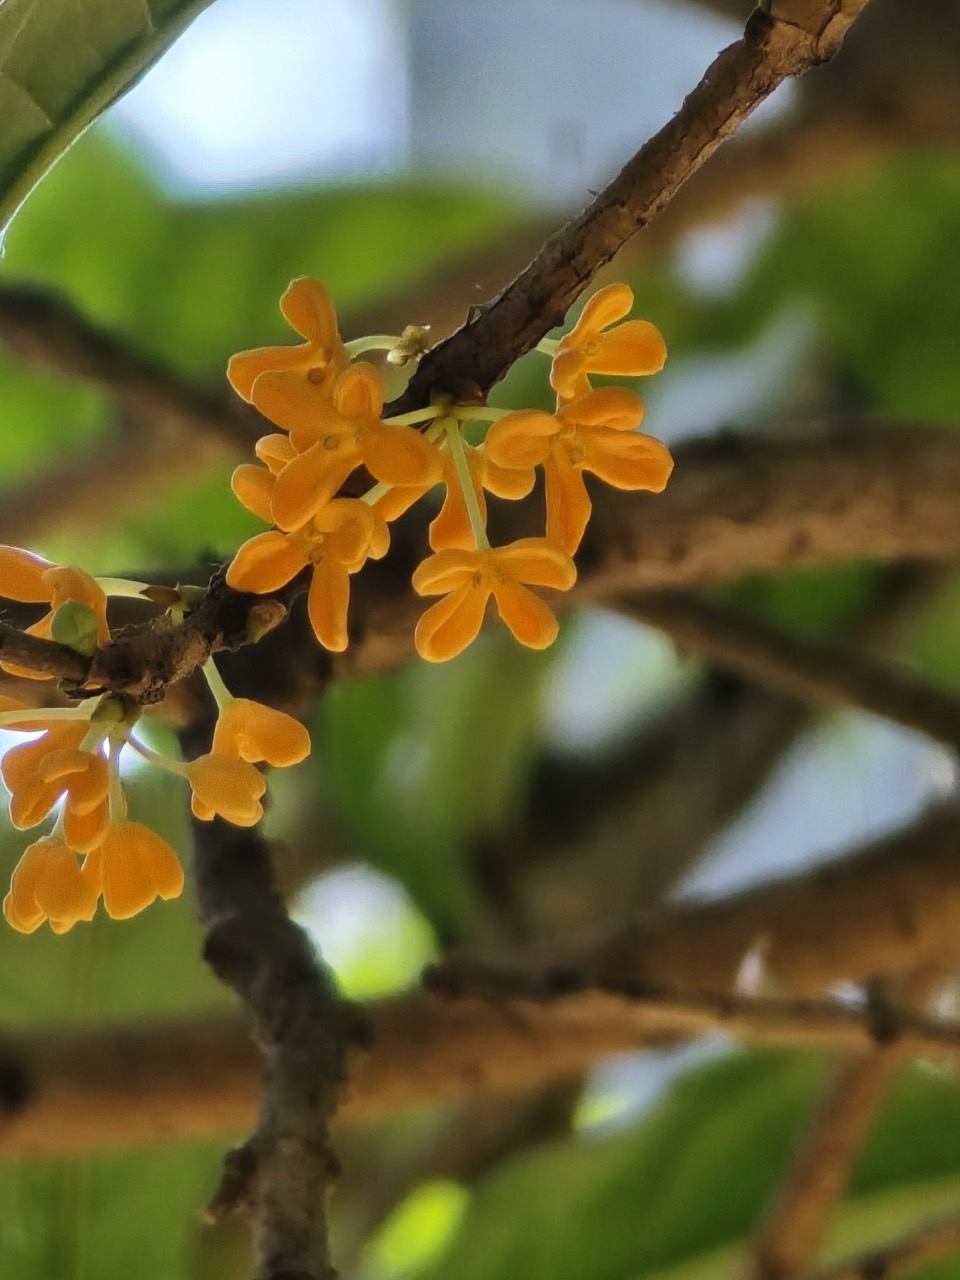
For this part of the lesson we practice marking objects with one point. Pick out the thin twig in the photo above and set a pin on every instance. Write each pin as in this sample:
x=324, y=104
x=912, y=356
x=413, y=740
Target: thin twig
x=818, y=671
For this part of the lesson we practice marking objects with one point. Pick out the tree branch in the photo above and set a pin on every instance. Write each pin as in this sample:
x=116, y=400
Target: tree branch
x=280, y=1175
x=785, y=41
x=815, y=670
x=886, y=908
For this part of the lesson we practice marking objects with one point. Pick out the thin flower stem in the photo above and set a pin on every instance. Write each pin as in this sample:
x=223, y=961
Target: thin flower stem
x=458, y=454
x=414, y=416
x=121, y=586
x=374, y=342
x=376, y=493
x=116, y=798
x=222, y=695
x=43, y=714
x=548, y=346
x=479, y=413
x=154, y=757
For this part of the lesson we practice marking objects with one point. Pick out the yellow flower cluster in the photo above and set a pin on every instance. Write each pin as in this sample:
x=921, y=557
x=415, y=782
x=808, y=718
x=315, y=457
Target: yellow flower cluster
x=329, y=406
x=93, y=851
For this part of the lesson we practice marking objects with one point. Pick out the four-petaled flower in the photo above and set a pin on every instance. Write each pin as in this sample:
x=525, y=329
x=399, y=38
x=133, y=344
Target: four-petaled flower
x=307, y=307
x=468, y=579
x=595, y=432
x=592, y=346
x=338, y=541
x=332, y=432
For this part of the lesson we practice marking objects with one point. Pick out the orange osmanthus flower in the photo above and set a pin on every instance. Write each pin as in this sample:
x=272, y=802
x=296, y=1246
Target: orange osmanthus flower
x=307, y=307
x=593, y=346
x=468, y=579
x=332, y=432
x=338, y=541
x=256, y=732
x=131, y=867
x=226, y=786
x=595, y=432
x=48, y=884
x=31, y=579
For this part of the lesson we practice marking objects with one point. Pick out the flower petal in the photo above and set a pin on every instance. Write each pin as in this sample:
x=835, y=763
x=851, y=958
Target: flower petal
x=227, y=786
x=292, y=402
x=85, y=831
x=618, y=408
x=136, y=866
x=21, y=575
x=358, y=392
x=521, y=440
x=266, y=561
x=255, y=732
x=310, y=480
x=538, y=562
x=307, y=307
x=530, y=620
x=605, y=307
x=399, y=455
x=445, y=571
x=627, y=460
x=253, y=487
x=568, y=503
x=635, y=349
x=448, y=626
x=327, y=602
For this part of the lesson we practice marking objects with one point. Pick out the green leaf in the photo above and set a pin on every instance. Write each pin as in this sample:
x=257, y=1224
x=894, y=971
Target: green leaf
x=694, y=1176
x=62, y=62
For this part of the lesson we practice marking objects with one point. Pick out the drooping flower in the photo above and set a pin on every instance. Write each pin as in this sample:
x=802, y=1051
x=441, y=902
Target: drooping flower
x=332, y=432
x=33, y=580
x=468, y=579
x=226, y=786
x=597, y=344
x=39, y=772
x=307, y=307
x=131, y=867
x=595, y=432
x=48, y=884
x=257, y=733
x=338, y=541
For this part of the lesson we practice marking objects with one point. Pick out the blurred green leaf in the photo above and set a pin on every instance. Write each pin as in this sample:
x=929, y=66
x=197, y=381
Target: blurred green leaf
x=875, y=258
x=693, y=1177
x=426, y=762
x=61, y=64
x=107, y=1217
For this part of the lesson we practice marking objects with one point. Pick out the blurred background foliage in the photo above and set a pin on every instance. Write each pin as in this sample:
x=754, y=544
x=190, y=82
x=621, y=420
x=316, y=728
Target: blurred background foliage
x=845, y=299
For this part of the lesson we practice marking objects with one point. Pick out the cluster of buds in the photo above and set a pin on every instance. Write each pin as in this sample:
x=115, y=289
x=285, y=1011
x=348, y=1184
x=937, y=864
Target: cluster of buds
x=93, y=851
x=328, y=405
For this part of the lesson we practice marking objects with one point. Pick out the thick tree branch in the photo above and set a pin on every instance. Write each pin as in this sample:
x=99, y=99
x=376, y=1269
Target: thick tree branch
x=885, y=909
x=818, y=671
x=734, y=505
x=280, y=1175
